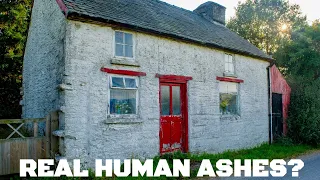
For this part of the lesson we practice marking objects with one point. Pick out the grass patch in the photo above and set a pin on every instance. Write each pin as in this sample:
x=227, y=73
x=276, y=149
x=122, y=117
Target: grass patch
x=264, y=151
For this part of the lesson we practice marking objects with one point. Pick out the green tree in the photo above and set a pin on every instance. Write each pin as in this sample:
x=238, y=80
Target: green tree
x=300, y=57
x=300, y=61
x=14, y=22
x=266, y=23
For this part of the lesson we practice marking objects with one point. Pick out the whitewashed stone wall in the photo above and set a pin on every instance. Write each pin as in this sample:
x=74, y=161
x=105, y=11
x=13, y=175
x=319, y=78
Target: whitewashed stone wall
x=91, y=134
x=43, y=64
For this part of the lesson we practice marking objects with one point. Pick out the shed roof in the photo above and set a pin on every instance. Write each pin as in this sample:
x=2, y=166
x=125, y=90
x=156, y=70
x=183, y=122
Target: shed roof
x=162, y=18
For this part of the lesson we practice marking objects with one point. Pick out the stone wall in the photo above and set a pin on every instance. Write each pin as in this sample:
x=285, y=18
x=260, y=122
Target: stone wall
x=44, y=60
x=91, y=134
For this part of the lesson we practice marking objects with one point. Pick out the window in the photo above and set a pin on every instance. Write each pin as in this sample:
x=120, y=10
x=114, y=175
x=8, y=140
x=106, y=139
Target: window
x=123, y=95
x=123, y=44
x=229, y=98
x=229, y=64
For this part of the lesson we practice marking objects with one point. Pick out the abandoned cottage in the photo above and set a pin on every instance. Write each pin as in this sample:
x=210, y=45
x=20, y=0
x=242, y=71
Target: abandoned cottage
x=137, y=78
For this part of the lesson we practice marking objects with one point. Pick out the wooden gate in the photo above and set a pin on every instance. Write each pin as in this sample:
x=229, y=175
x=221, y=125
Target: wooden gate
x=36, y=147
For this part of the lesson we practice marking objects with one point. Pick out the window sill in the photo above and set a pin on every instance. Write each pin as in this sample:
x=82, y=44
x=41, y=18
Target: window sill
x=124, y=123
x=122, y=116
x=230, y=117
x=123, y=119
x=124, y=61
x=226, y=74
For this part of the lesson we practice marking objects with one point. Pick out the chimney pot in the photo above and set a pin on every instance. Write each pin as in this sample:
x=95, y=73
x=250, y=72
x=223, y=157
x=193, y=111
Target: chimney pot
x=212, y=11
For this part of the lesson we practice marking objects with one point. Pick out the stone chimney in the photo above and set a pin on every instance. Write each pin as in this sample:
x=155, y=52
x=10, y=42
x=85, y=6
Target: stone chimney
x=212, y=11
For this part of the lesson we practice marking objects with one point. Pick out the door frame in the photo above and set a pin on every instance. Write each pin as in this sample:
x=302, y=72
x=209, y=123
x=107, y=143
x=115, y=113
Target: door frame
x=280, y=114
x=183, y=81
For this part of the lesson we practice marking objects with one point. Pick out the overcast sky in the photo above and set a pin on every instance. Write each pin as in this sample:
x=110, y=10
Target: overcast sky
x=311, y=8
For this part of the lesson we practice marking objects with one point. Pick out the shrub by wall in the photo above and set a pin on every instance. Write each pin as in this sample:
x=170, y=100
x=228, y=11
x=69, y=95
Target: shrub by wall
x=304, y=113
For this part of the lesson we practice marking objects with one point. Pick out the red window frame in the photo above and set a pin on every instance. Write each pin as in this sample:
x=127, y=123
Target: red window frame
x=227, y=79
x=123, y=72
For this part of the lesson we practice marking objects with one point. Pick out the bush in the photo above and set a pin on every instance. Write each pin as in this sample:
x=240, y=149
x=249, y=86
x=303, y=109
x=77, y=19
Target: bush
x=285, y=141
x=304, y=113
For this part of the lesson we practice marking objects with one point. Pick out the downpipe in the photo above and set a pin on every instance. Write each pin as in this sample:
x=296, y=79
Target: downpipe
x=270, y=103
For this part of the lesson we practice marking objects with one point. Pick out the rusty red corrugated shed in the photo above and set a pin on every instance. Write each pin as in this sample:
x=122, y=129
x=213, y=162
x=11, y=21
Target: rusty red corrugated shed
x=279, y=85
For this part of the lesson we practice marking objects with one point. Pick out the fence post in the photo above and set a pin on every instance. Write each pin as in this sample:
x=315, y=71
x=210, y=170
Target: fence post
x=48, y=135
x=54, y=139
x=35, y=129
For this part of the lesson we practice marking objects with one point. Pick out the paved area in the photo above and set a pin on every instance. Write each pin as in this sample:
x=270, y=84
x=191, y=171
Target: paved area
x=310, y=171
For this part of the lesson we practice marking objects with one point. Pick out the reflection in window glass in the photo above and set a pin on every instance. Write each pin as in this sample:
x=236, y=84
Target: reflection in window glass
x=119, y=50
x=117, y=82
x=128, y=39
x=119, y=37
x=128, y=51
x=124, y=44
x=229, y=98
x=176, y=100
x=122, y=101
x=130, y=83
x=165, y=100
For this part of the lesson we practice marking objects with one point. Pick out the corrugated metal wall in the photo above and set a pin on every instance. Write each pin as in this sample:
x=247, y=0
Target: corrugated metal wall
x=279, y=85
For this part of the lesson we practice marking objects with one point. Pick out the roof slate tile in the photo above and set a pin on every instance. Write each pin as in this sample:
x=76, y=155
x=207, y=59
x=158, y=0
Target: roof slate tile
x=164, y=18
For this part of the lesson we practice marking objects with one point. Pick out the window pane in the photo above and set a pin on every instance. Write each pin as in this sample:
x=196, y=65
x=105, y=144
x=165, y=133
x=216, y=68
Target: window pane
x=227, y=58
x=119, y=50
x=128, y=38
x=119, y=37
x=117, y=82
x=122, y=101
x=223, y=87
x=228, y=98
x=226, y=67
x=129, y=51
x=232, y=88
x=231, y=68
x=130, y=83
x=176, y=101
x=230, y=59
x=228, y=103
x=165, y=100
x=228, y=87
x=229, y=65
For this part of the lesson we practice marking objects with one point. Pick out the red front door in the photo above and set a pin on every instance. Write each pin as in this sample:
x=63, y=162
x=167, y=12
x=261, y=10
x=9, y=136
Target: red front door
x=173, y=125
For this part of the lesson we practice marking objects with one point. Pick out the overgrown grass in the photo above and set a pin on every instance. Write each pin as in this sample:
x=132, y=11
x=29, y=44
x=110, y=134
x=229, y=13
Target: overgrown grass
x=264, y=151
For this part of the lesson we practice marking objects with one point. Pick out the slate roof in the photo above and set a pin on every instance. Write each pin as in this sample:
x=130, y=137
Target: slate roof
x=162, y=18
